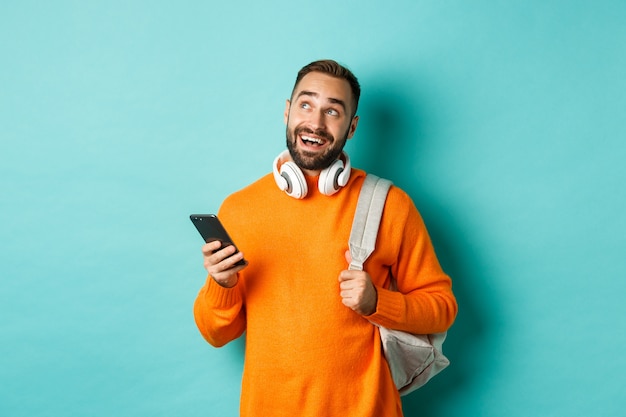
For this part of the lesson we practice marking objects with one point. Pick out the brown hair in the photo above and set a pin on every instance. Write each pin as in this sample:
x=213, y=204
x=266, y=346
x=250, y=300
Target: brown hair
x=332, y=68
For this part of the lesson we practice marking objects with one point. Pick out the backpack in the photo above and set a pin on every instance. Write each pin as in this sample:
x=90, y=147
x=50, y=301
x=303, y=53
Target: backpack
x=413, y=359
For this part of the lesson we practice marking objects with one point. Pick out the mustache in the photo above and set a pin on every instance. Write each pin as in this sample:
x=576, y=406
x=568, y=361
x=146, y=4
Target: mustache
x=322, y=133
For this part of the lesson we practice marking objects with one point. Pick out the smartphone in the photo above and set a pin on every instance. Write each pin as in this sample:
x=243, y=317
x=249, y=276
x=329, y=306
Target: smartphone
x=211, y=229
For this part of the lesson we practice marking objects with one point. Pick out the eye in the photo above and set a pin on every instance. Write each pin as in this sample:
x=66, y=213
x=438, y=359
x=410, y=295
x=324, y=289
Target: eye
x=305, y=105
x=332, y=112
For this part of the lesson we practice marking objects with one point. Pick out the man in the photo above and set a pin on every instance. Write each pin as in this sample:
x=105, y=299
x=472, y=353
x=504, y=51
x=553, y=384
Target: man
x=311, y=346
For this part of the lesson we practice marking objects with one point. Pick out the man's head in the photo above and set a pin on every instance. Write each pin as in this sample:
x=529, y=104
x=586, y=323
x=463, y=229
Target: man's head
x=332, y=68
x=321, y=114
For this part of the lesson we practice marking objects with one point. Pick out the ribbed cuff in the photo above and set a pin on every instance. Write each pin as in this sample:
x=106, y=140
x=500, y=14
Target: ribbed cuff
x=390, y=308
x=222, y=297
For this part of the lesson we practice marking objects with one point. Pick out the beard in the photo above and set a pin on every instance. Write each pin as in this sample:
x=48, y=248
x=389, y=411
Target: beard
x=311, y=160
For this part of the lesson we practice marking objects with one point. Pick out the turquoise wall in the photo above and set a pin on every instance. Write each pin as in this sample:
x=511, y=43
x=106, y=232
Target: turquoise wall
x=503, y=120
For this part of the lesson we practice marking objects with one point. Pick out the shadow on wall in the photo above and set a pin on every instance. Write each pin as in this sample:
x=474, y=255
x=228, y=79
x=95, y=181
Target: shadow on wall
x=394, y=129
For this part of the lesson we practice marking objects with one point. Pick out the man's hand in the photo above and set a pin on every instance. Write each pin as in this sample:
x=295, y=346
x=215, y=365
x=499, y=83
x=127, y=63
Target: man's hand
x=357, y=290
x=221, y=264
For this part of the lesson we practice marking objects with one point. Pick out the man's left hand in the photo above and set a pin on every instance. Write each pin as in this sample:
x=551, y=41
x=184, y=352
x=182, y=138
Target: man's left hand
x=357, y=290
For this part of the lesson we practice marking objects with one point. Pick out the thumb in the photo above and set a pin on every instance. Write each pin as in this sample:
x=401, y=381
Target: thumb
x=348, y=257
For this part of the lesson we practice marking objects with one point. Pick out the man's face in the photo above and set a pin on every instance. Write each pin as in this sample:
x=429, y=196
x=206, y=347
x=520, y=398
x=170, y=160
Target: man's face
x=319, y=121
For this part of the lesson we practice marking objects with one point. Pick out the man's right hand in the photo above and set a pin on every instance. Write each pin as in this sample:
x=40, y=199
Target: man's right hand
x=220, y=263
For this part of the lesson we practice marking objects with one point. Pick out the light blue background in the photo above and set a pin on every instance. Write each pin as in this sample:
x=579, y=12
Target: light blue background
x=503, y=120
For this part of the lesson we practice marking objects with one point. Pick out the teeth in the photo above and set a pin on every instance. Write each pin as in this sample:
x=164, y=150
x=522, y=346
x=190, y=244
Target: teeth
x=310, y=139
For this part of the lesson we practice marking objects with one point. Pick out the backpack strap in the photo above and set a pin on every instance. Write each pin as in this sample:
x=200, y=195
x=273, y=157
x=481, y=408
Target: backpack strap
x=366, y=220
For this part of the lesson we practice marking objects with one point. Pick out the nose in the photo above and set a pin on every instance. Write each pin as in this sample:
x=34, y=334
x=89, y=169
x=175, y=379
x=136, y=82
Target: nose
x=318, y=119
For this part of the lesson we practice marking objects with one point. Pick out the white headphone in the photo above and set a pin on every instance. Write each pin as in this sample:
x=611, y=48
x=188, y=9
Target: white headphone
x=291, y=180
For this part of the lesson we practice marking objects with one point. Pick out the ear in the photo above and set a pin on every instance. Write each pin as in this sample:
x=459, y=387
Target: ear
x=287, y=107
x=353, y=124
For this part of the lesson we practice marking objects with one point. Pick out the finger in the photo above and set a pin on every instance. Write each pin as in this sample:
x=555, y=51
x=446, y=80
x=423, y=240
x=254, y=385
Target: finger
x=209, y=248
x=225, y=269
x=213, y=258
x=349, y=275
x=348, y=257
x=350, y=303
x=223, y=253
x=230, y=261
x=347, y=285
x=349, y=295
x=226, y=258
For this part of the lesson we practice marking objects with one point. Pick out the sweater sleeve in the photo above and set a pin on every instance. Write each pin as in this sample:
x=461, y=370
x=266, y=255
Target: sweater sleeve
x=219, y=313
x=424, y=302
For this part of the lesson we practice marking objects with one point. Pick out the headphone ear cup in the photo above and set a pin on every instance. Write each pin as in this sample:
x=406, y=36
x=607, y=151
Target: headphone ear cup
x=335, y=176
x=296, y=183
x=328, y=183
x=281, y=181
x=288, y=176
x=344, y=175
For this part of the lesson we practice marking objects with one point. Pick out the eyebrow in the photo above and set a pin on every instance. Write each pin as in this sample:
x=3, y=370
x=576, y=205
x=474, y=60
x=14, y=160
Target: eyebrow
x=314, y=94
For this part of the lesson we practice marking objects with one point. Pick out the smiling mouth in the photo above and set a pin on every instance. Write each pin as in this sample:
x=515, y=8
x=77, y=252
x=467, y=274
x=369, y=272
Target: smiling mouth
x=312, y=141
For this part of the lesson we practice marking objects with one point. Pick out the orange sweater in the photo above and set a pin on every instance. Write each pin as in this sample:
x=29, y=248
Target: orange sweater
x=306, y=353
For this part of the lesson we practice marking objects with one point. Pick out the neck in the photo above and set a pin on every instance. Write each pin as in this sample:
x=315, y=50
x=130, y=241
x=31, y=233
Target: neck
x=311, y=173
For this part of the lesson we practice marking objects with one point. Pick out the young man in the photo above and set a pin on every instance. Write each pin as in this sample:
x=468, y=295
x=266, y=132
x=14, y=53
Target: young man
x=311, y=346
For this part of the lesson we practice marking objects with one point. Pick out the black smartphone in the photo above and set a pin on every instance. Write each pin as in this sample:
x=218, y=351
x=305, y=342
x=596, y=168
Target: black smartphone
x=211, y=229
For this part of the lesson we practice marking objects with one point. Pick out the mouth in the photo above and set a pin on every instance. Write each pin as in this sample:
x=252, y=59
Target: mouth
x=313, y=141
